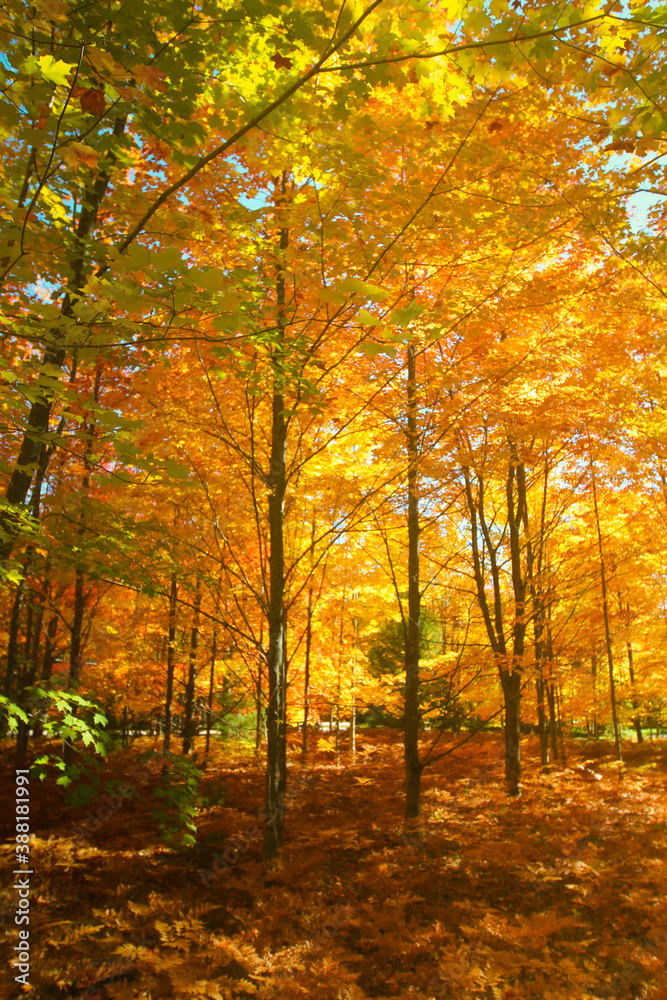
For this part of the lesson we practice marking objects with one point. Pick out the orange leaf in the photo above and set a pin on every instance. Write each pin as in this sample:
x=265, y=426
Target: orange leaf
x=150, y=77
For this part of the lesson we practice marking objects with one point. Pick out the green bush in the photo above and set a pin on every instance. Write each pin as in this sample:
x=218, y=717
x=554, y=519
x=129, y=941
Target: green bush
x=177, y=793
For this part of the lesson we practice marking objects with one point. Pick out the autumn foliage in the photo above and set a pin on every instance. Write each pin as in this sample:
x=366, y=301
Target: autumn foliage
x=332, y=386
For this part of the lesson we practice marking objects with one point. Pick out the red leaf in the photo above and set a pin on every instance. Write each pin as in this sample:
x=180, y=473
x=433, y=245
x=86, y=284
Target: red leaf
x=93, y=101
x=281, y=62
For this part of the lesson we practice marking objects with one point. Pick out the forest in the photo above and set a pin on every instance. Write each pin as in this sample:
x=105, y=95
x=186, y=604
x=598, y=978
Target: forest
x=333, y=599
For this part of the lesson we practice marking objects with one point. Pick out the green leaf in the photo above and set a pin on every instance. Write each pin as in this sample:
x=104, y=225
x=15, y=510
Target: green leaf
x=176, y=471
x=372, y=349
x=212, y=280
x=359, y=287
x=368, y=319
x=402, y=317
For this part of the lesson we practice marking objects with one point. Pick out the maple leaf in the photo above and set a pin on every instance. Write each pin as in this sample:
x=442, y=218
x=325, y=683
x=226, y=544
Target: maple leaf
x=624, y=145
x=281, y=62
x=611, y=69
x=150, y=77
x=92, y=102
x=496, y=125
x=77, y=154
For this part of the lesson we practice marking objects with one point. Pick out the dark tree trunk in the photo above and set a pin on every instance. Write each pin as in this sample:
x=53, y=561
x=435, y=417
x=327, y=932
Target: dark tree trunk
x=306, y=680
x=551, y=694
x=273, y=828
x=494, y=626
x=353, y=714
x=76, y=639
x=510, y=665
x=537, y=597
x=517, y=514
x=636, y=720
x=32, y=644
x=77, y=629
x=542, y=719
x=209, y=714
x=13, y=640
x=338, y=678
x=260, y=672
x=189, y=721
x=413, y=765
x=283, y=745
x=512, y=695
x=171, y=651
x=560, y=724
x=553, y=726
x=49, y=649
x=276, y=481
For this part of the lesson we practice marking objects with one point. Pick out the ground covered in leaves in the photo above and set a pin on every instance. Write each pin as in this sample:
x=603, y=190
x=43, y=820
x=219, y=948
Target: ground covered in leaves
x=560, y=895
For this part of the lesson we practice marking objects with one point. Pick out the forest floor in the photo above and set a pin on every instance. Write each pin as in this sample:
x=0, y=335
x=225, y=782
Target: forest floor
x=559, y=895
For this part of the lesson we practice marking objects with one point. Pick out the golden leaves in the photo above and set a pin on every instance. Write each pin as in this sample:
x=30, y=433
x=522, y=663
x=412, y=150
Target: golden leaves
x=78, y=154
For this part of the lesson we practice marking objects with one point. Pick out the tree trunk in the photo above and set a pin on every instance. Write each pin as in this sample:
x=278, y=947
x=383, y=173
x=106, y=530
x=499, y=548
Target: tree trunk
x=49, y=649
x=306, y=679
x=594, y=675
x=605, y=613
x=537, y=598
x=353, y=714
x=283, y=746
x=76, y=634
x=13, y=639
x=209, y=715
x=338, y=679
x=77, y=629
x=511, y=683
x=413, y=765
x=76, y=640
x=560, y=724
x=171, y=649
x=509, y=678
x=636, y=720
x=542, y=718
x=189, y=721
x=517, y=514
x=32, y=644
x=553, y=728
x=260, y=670
x=276, y=481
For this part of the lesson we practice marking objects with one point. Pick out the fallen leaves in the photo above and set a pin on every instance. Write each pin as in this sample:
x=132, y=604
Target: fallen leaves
x=524, y=903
